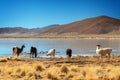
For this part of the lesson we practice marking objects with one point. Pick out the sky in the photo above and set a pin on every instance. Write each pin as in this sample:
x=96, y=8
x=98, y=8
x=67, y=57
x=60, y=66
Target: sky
x=40, y=13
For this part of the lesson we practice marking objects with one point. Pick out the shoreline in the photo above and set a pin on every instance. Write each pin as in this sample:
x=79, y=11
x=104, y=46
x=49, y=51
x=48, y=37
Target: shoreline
x=86, y=36
x=59, y=58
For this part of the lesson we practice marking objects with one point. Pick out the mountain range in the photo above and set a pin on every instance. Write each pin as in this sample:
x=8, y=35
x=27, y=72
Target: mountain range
x=95, y=25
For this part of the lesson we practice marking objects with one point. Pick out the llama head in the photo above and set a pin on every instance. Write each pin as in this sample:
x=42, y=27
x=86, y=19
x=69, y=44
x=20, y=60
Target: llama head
x=23, y=46
x=98, y=46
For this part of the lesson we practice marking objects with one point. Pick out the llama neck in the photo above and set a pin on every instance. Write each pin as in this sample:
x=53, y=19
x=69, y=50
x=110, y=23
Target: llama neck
x=97, y=48
x=21, y=49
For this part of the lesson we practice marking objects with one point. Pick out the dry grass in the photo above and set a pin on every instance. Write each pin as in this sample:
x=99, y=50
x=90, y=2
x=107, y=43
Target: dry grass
x=7, y=58
x=14, y=69
x=64, y=69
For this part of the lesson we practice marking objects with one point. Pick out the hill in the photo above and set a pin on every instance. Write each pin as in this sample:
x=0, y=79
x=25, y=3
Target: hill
x=97, y=25
x=20, y=31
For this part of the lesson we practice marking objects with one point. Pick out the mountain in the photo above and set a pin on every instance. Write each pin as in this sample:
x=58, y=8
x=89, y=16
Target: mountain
x=13, y=30
x=96, y=25
x=24, y=31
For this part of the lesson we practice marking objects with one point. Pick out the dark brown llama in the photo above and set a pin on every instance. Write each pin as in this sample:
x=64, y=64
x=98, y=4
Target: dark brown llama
x=33, y=51
x=69, y=53
x=17, y=50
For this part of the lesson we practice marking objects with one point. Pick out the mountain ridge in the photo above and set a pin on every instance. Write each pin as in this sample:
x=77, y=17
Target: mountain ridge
x=97, y=25
x=94, y=25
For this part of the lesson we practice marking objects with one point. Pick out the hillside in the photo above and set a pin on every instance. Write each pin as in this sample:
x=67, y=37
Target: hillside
x=97, y=25
x=20, y=31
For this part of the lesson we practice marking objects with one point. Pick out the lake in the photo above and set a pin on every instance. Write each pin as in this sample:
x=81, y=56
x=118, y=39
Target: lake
x=79, y=46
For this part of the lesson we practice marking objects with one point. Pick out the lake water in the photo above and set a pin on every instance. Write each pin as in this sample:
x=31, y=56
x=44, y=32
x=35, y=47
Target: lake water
x=79, y=46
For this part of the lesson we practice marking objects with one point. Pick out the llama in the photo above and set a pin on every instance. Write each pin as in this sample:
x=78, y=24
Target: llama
x=103, y=52
x=33, y=51
x=16, y=50
x=69, y=53
x=51, y=53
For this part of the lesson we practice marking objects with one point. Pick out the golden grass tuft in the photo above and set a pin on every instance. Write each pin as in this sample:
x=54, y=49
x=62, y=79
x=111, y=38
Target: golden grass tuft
x=69, y=76
x=84, y=73
x=30, y=74
x=74, y=68
x=23, y=73
x=8, y=58
x=16, y=58
x=3, y=60
x=38, y=67
x=18, y=70
x=52, y=77
x=37, y=76
x=49, y=76
x=64, y=68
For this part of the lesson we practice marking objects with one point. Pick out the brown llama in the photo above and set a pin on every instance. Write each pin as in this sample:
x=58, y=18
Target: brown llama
x=103, y=52
x=33, y=51
x=17, y=50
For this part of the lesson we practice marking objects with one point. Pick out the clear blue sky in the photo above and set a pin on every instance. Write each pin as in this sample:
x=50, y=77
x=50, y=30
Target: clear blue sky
x=40, y=13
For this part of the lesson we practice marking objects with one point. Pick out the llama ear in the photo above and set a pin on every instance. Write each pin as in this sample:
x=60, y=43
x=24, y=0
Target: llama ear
x=24, y=45
x=98, y=45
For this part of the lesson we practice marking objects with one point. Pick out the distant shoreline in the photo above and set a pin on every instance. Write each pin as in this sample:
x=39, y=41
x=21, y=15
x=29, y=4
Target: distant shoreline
x=89, y=36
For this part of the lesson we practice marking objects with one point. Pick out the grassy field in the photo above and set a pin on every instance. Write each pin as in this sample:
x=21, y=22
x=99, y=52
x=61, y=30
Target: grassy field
x=81, y=68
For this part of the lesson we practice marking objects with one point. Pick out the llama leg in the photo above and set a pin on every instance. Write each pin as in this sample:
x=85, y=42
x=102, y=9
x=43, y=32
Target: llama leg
x=17, y=54
x=53, y=56
x=50, y=56
x=30, y=55
x=100, y=58
x=109, y=56
x=13, y=54
x=35, y=54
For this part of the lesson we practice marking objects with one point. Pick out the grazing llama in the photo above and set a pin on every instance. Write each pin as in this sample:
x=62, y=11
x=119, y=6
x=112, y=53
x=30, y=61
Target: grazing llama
x=51, y=53
x=33, y=51
x=103, y=52
x=69, y=53
x=16, y=50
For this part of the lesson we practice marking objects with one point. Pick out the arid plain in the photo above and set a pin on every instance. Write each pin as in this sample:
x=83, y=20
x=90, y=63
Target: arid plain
x=76, y=68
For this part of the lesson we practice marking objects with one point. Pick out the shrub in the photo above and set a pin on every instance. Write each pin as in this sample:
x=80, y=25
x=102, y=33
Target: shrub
x=16, y=58
x=3, y=59
x=38, y=68
x=23, y=73
x=64, y=69
x=50, y=76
